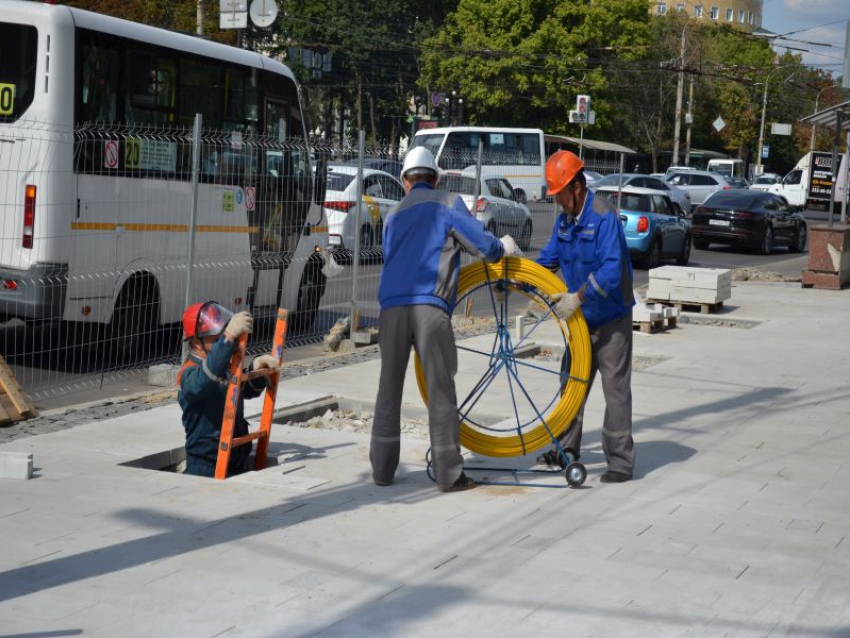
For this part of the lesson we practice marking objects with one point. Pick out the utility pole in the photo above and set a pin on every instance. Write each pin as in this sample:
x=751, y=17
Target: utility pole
x=200, y=17
x=679, y=91
x=689, y=120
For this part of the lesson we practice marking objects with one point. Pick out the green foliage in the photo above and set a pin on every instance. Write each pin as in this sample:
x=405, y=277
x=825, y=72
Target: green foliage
x=515, y=61
x=522, y=62
x=176, y=15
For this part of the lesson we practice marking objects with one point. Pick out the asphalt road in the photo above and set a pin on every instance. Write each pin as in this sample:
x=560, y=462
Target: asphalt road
x=62, y=373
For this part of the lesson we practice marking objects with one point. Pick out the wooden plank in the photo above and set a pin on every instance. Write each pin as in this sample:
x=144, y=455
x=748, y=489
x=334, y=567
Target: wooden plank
x=5, y=418
x=14, y=392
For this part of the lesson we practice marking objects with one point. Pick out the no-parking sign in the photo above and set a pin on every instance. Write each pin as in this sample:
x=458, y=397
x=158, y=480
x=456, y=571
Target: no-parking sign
x=250, y=197
x=110, y=154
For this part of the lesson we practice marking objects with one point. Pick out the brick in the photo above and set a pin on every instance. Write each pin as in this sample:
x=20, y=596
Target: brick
x=821, y=258
x=827, y=281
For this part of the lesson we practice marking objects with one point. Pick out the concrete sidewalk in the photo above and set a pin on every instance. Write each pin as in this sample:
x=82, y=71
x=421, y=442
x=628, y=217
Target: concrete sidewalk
x=737, y=524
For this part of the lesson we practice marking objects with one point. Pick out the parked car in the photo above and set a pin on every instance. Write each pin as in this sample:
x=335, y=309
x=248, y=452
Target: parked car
x=680, y=197
x=677, y=169
x=764, y=181
x=592, y=177
x=755, y=219
x=381, y=191
x=699, y=184
x=498, y=204
x=738, y=182
x=391, y=166
x=654, y=230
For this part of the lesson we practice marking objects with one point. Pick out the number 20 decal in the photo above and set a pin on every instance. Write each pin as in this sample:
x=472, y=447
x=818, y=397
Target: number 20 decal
x=7, y=98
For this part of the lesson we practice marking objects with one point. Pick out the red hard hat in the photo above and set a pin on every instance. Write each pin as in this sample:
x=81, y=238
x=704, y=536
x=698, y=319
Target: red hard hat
x=207, y=319
x=561, y=168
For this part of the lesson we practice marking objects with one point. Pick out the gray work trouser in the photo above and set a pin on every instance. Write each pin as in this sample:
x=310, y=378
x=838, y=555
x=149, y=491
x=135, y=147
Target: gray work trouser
x=429, y=330
x=612, y=358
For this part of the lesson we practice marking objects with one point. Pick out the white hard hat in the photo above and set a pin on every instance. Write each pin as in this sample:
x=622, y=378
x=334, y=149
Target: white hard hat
x=420, y=160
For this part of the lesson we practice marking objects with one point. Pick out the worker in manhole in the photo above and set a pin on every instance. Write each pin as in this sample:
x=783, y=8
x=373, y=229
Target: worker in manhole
x=213, y=332
x=589, y=247
x=423, y=238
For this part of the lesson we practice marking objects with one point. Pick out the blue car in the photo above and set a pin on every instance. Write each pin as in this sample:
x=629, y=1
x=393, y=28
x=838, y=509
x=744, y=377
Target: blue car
x=654, y=230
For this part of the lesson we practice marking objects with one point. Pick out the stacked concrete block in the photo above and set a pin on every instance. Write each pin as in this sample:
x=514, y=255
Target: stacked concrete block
x=681, y=284
x=654, y=312
x=16, y=465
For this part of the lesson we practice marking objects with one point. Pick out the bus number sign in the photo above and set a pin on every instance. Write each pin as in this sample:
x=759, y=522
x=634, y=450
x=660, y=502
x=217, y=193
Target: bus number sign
x=7, y=98
x=132, y=152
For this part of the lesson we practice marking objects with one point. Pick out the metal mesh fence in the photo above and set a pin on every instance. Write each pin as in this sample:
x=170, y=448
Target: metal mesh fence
x=109, y=232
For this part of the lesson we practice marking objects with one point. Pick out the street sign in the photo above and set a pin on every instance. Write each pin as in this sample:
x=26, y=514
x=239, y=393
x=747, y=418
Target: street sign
x=263, y=12
x=583, y=107
x=233, y=6
x=233, y=20
x=780, y=129
x=765, y=151
x=578, y=118
x=719, y=124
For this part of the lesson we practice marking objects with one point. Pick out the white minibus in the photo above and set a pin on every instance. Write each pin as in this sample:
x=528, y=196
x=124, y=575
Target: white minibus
x=96, y=161
x=517, y=154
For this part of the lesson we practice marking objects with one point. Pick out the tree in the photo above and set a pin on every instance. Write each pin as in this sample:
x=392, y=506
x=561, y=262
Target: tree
x=175, y=15
x=519, y=61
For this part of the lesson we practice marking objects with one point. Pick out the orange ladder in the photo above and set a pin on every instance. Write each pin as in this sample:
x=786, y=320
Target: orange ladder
x=237, y=377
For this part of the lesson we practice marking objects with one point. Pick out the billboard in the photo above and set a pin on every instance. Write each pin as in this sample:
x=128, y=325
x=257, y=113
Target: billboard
x=821, y=176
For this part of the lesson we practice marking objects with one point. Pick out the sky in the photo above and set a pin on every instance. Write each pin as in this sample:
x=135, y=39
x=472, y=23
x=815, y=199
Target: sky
x=810, y=21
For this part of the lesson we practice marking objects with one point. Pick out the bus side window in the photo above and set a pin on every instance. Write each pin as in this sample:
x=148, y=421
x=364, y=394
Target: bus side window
x=98, y=97
x=152, y=87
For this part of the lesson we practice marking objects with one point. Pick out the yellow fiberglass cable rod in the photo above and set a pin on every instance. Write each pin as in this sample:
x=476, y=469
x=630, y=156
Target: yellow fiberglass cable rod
x=523, y=275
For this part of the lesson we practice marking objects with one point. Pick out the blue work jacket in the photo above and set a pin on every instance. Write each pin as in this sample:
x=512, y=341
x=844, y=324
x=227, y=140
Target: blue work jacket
x=423, y=238
x=203, y=391
x=593, y=256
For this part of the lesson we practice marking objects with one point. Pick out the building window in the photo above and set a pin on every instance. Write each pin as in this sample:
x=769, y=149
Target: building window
x=758, y=19
x=742, y=16
x=750, y=17
x=661, y=8
x=730, y=15
x=715, y=13
x=680, y=6
x=698, y=11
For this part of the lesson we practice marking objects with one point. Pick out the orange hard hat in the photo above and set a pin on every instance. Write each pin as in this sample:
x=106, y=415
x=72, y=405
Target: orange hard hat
x=561, y=169
x=207, y=319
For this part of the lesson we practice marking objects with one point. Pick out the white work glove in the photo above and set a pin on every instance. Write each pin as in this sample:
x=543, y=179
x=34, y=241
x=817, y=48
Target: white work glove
x=241, y=323
x=566, y=304
x=511, y=249
x=265, y=361
x=331, y=268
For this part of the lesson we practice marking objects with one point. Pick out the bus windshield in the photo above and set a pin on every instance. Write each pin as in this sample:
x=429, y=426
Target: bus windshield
x=431, y=142
x=18, y=55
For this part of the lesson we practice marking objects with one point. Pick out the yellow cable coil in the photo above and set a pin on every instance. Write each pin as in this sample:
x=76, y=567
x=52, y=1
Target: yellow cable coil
x=525, y=271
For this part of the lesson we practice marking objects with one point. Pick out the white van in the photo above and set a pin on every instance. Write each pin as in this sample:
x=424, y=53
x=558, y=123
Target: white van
x=809, y=184
x=727, y=167
x=517, y=154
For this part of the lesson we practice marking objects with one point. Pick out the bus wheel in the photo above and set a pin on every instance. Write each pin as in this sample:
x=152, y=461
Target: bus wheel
x=310, y=294
x=135, y=318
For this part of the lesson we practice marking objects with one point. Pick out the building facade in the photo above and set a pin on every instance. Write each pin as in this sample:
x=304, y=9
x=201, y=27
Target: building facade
x=745, y=15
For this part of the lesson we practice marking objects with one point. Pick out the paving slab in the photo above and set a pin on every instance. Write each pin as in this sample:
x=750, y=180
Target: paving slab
x=737, y=523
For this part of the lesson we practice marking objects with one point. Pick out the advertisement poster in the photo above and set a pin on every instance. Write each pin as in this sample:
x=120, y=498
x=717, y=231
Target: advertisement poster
x=821, y=176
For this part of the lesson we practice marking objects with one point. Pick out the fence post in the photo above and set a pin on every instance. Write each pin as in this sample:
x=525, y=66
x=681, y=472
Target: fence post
x=193, y=221
x=477, y=190
x=355, y=270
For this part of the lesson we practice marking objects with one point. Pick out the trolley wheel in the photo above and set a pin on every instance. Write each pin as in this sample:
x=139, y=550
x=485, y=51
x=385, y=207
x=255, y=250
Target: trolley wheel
x=575, y=474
